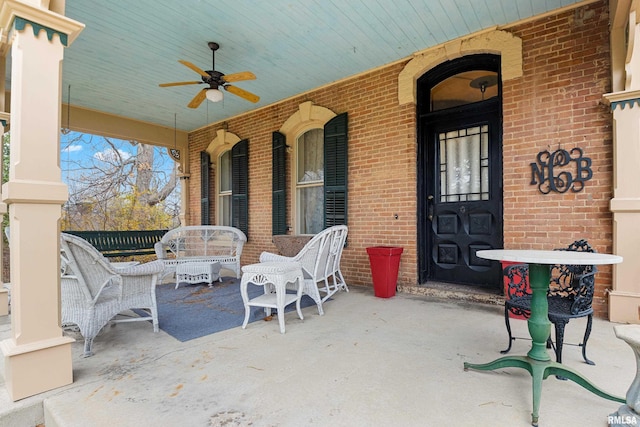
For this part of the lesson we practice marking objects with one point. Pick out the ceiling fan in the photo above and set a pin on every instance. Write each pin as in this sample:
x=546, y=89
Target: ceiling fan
x=216, y=80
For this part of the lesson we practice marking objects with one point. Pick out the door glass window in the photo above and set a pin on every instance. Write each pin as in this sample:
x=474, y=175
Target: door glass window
x=464, y=164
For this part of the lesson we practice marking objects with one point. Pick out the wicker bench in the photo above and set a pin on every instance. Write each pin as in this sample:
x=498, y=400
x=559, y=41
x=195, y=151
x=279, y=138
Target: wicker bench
x=122, y=243
x=201, y=244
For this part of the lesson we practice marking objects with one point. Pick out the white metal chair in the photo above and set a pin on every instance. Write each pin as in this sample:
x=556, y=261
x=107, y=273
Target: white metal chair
x=320, y=262
x=94, y=291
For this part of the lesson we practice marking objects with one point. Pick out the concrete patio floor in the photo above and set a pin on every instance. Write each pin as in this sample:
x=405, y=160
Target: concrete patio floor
x=367, y=362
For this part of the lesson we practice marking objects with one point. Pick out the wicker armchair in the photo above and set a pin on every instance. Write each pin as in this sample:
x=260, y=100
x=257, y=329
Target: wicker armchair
x=94, y=291
x=320, y=262
x=570, y=296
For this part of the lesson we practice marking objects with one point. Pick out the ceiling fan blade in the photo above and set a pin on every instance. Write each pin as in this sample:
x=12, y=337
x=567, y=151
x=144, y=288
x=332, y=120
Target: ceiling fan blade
x=197, y=100
x=242, y=93
x=179, y=84
x=194, y=68
x=237, y=77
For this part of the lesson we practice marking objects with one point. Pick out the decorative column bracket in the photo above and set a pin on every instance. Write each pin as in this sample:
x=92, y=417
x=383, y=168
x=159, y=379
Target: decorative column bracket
x=4, y=118
x=175, y=154
x=624, y=103
x=21, y=23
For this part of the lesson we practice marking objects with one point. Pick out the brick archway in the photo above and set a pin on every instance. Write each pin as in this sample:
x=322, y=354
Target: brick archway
x=502, y=43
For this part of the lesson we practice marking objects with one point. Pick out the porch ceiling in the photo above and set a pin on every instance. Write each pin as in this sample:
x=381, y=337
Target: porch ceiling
x=128, y=48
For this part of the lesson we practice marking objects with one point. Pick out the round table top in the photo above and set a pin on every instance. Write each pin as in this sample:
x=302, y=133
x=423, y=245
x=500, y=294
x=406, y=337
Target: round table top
x=549, y=257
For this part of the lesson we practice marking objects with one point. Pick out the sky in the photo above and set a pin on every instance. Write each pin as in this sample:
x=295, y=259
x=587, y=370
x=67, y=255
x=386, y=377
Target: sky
x=77, y=150
x=83, y=149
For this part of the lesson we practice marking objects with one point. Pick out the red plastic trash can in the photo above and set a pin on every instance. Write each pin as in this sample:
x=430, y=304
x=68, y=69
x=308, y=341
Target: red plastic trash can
x=385, y=262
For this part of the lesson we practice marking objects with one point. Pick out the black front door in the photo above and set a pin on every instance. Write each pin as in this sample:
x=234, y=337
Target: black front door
x=464, y=203
x=460, y=193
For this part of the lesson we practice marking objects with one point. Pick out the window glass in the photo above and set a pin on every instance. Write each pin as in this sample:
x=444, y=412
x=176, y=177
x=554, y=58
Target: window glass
x=311, y=208
x=310, y=182
x=224, y=189
x=311, y=156
x=225, y=171
x=464, y=164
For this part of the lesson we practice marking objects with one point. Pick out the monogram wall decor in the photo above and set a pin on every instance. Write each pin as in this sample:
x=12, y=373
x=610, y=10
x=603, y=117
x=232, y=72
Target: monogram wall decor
x=561, y=170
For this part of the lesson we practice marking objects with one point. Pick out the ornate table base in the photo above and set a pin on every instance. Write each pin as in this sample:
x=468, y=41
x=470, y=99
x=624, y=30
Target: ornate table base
x=539, y=371
x=628, y=414
x=537, y=362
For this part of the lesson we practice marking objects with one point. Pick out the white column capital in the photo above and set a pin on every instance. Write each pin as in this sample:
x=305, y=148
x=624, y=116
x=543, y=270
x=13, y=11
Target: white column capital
x=40, y=18
x=623, y=99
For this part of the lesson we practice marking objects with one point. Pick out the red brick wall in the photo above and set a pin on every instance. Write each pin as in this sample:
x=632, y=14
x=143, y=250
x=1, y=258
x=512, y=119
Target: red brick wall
x=556, y=103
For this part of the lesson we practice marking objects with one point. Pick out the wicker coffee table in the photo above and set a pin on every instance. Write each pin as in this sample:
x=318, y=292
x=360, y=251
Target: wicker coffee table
x=197, y=272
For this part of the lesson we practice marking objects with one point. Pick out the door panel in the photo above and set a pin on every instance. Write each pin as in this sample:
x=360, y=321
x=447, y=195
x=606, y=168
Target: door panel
x=458, y=231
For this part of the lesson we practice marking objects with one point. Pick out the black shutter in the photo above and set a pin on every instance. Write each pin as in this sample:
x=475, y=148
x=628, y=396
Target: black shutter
x=204, y=188
x=240, y=186
x=335, y=171
x=279, y=184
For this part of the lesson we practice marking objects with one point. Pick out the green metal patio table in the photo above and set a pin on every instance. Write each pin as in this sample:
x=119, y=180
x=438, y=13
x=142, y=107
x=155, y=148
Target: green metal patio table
x=537, y=361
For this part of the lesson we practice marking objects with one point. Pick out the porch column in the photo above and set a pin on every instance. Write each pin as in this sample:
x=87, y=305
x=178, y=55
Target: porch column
x=184, y=198
x=624, y=298
x=37, y=355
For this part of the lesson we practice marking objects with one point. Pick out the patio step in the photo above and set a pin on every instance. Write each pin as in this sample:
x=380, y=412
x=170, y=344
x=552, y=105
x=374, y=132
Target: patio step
x=31, y=414
x=457, y=292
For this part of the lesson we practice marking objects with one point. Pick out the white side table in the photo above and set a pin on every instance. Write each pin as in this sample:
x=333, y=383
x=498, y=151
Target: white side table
x=273, y=277
x=197, y=272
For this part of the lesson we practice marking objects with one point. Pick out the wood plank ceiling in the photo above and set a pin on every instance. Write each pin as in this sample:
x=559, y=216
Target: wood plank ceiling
x=129, y=47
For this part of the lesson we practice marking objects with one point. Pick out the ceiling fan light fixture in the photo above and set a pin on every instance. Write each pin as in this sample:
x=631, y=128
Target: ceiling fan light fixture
x=216, y=81
x=215, y=95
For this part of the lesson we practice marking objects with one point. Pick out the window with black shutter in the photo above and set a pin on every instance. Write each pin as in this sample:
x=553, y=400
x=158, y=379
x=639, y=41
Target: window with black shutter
x=240, y=186
x=204, y=189
x=335, y=171
x=279, y=184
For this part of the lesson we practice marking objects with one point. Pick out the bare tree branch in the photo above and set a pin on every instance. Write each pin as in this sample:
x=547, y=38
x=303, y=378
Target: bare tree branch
x=115, y=187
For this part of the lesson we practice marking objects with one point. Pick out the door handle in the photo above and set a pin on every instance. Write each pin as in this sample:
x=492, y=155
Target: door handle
x=430, y=207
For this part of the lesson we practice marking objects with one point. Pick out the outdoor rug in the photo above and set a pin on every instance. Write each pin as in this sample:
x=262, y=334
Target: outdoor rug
x=193, y=311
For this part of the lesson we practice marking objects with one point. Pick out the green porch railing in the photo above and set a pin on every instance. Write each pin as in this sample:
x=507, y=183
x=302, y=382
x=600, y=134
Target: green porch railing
x=122, y=243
